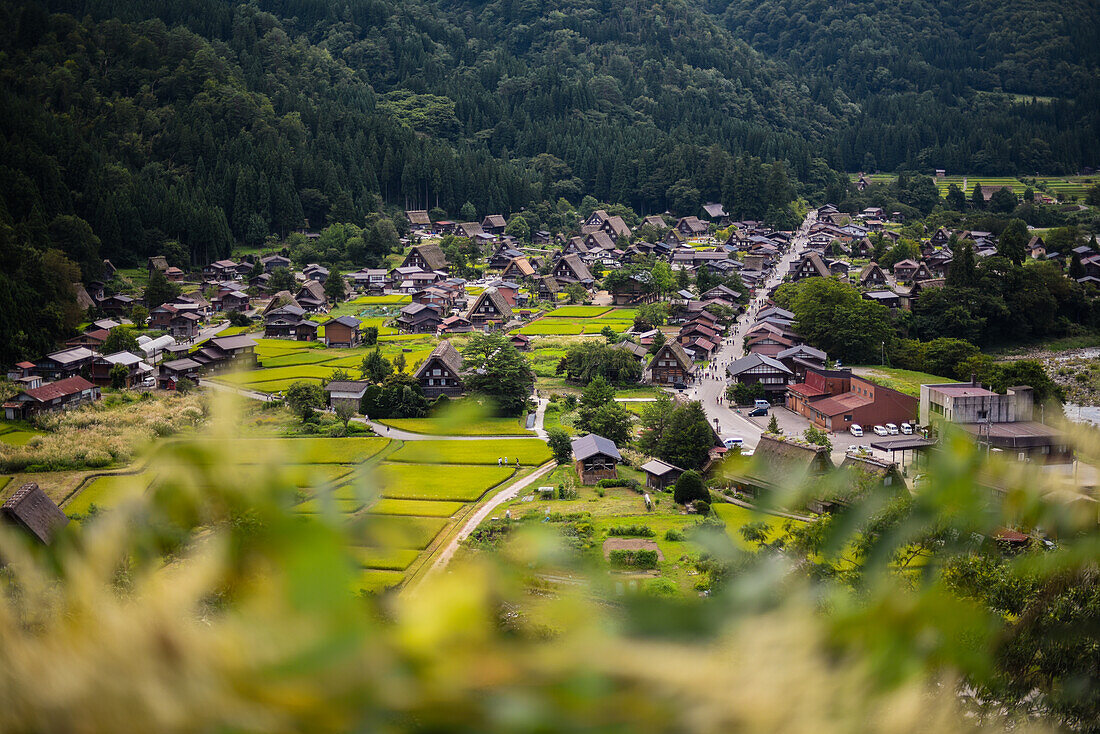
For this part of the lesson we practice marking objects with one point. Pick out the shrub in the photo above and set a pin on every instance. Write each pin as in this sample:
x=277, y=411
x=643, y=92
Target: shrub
x=672, y=534
x=701, y=507
x=632, y=483
x=560, y=445
x=643, y=531
x=633, y=558
x=689, y=487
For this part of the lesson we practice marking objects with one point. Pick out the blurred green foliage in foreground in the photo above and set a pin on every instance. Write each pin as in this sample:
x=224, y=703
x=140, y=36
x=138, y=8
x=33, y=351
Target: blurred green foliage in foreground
x=208, y=605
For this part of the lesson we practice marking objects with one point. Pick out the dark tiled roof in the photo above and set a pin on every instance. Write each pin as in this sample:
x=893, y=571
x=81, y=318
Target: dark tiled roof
x=591, y=444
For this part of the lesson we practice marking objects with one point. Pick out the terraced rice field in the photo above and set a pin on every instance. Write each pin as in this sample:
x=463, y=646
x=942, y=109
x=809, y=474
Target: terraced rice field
x=576, y=320
x=1059, y=186
x=530, y=452
x=483, y=427
x=17, y=436
x=284, y=362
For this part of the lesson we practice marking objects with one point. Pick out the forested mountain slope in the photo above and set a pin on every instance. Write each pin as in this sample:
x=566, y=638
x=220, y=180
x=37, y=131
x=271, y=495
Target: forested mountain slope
x=943, y=83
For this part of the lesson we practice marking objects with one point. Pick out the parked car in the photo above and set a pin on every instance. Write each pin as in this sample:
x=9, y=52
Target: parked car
x=907, y=429
x=733, y=442
x=149, y=382
x=861, y=448
x=761, y=404
x=755, y=412
x=856, y=430
x=892, y=429
x=680, y=386
x=881, y=431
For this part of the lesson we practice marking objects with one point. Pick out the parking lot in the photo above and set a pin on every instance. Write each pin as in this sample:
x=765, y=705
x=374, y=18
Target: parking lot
x=792, y=424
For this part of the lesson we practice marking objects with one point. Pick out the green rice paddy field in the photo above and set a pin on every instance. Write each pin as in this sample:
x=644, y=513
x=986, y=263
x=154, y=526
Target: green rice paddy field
x=1061, y=186
x=576, y=320
x=404, y=493
x=284, y=362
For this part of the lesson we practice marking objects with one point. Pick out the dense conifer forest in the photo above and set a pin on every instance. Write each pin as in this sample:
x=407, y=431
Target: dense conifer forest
x=127, y=125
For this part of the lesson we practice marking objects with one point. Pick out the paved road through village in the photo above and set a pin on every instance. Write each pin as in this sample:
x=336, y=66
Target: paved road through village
x=713, y=384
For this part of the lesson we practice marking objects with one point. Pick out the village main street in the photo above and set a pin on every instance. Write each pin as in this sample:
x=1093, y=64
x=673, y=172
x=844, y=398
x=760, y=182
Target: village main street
x=712, y=385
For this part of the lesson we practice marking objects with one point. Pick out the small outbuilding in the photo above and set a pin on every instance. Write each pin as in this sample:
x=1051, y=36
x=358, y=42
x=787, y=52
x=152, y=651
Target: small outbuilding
x=660, y=474
x=596, y=458
x=30, y=509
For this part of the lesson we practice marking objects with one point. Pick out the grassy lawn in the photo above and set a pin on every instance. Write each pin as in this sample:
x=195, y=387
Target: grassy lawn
x=455, y=483
x=578, y=311
x=639, y=391
x=483, y=427
x=530, y=452
x=736, y=516
x=904, y=381
x=420, y=508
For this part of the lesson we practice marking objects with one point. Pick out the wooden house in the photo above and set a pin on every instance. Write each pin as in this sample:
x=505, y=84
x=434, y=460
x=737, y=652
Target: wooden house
x=905, y=270
x=69, y=392
x=342, y=331
x=810, y=265
x=289, y=322
x=489, y=308
x=418, y=218
x=595, y=458
x=518, y=269
x=32, y=511
x=671, y=365
x=691, y=227
x=493, y=224
x=768, y=372
x=346, y=392
x=781, y=463
x=425, y=257
x=420, y=318
x=571, y=269
x=441, y=372
x=872, y=276
x=660, y=475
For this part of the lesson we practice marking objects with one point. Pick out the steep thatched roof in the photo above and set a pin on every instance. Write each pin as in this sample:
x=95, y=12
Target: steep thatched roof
x=445, y=353
x=30, y=509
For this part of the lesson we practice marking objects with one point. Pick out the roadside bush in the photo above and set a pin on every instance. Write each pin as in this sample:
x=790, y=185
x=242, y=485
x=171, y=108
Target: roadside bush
x=689, y=487
x=608, y=483
x=633, y=559
x=674, y=535
x=641, y=531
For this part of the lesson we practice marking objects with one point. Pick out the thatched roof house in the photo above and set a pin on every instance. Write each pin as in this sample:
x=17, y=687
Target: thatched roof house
x=30, y=509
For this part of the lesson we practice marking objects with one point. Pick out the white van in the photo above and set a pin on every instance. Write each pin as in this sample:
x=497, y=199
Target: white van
x=731, y=442
x=761, y=404
x=892, y=429
x=856, y=430
x=881, y=431
x=907, y=429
